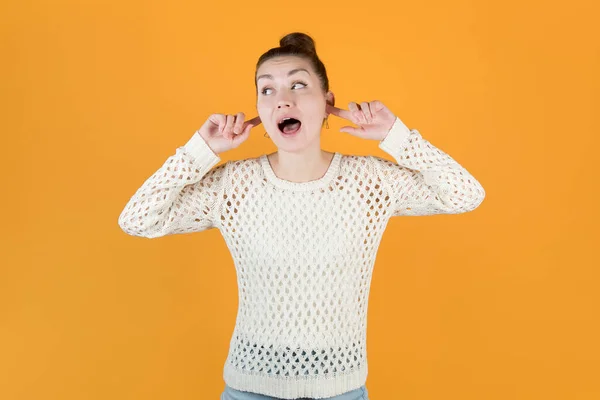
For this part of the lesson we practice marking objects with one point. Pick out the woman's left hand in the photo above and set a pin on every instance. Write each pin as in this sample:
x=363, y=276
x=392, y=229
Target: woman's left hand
x=373, y=118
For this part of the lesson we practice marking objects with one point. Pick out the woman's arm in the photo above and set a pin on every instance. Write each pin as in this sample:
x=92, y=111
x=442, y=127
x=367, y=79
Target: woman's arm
x=424, y=180
x=180, y=197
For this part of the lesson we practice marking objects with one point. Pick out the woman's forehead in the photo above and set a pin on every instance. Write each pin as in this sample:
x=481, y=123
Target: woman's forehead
x=283, y=65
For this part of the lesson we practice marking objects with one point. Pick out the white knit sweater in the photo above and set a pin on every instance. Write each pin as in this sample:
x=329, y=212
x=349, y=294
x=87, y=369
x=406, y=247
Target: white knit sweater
x=303, y=251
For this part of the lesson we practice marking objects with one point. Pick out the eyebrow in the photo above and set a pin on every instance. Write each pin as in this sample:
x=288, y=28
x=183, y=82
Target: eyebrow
x=293, y=71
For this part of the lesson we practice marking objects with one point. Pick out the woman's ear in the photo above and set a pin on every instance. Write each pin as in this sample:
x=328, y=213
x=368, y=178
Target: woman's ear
x=330, y=99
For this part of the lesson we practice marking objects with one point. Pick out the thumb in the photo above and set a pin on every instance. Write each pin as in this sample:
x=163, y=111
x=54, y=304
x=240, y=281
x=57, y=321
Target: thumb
x=349, y=129
x=242, y=136
x=358, y=132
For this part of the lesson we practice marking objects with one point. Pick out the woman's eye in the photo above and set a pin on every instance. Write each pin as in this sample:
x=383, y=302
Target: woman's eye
x=302, y=83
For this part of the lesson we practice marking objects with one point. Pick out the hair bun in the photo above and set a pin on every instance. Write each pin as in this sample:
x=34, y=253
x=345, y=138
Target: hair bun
x=300, y=41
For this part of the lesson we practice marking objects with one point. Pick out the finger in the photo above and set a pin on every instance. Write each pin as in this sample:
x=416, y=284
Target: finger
x=366, y=111
x=228, y=126
x=338, y=112
x=251, y=123
x=376, y=106
x=239, y=123
x=254, y=121
x=356, y=113
x=219, y=120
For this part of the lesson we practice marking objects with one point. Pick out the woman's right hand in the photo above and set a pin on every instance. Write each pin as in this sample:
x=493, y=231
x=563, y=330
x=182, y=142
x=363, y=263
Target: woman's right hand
x=224, y=132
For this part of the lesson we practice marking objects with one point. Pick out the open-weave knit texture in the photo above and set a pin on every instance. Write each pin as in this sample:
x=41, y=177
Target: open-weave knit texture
x=303, y=251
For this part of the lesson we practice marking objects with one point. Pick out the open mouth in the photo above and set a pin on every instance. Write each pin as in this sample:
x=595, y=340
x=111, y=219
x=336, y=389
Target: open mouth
x=289, y=126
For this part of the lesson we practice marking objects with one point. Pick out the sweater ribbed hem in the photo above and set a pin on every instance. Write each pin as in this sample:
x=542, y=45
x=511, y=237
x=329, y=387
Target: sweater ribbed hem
x=395, y=139
x=294, y=387
x=201, y=151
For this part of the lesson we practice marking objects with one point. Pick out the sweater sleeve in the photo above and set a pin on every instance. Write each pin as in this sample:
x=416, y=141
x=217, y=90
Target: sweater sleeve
x=181, y=197
x=424, y=180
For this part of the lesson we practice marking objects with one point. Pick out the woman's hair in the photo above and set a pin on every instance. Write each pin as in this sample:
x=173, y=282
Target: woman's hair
x=301, y=45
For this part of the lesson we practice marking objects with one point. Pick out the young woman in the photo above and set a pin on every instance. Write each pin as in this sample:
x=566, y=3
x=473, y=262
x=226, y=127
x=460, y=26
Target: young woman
x=303, y=224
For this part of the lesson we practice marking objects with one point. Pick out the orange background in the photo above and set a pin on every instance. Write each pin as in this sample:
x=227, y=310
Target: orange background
x=499, y=303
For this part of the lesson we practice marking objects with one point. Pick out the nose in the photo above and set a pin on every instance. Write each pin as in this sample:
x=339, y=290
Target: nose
x=284, y=101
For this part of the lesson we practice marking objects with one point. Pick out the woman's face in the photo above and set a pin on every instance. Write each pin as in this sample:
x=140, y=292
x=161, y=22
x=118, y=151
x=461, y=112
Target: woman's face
x=298, y=94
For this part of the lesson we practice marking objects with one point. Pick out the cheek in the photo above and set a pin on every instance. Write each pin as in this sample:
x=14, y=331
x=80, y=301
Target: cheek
x=261, y=109
x=263, y=106
x=315, y=110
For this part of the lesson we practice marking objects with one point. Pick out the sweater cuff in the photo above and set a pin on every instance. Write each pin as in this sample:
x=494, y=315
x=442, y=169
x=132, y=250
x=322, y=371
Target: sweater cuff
x=396, y=137
x=200, y=150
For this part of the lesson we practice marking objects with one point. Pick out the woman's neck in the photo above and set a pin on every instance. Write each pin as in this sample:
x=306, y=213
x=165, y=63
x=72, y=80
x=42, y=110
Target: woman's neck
x=296, y=168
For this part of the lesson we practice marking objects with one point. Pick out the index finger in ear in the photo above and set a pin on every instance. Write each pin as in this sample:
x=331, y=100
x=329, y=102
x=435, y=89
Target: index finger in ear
x=254, y=121
x=338, y=112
